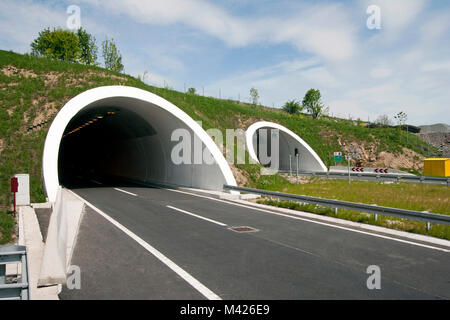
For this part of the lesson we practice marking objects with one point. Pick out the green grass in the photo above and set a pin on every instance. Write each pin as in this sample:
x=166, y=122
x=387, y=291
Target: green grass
x=431, y=198
x=7, y=225
x=439, y=231
x=419, y=197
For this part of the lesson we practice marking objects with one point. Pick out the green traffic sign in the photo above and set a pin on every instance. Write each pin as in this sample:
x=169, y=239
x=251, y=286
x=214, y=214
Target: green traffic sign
x=337, y=158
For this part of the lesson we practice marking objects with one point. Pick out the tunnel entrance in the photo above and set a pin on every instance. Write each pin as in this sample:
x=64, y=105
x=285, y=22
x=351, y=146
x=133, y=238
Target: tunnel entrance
x=115, y=134
x=293, y=153
x=92, y=151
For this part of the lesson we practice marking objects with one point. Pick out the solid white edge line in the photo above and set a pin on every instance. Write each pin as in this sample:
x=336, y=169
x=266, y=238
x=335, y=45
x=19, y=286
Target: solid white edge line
x=197, y=216
x=317, y=222
x=133, y=194
x=161, y=257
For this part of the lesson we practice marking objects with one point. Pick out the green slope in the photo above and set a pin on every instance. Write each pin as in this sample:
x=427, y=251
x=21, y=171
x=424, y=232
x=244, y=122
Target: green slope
x=32, y=90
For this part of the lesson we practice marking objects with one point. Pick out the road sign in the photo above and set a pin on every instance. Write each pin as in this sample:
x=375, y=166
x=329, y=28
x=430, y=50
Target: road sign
x=14, y=185
x=338, y=157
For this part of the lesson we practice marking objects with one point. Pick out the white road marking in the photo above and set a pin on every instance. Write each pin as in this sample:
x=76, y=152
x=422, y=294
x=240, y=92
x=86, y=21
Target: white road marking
x=172, y=265
x=94, y=181
x=133, y=194
x=317, y=222
x=197, y=216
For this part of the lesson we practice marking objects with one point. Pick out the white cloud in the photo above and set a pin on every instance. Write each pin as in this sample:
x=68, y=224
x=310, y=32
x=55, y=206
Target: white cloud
x=380, y=72
x=397, y=15
x=322, y=29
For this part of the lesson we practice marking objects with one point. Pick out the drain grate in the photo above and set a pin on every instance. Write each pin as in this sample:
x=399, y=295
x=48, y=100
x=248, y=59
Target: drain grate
x=243, y=229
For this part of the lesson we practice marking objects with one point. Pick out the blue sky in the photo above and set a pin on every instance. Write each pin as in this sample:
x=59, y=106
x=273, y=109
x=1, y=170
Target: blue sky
x=282, y=48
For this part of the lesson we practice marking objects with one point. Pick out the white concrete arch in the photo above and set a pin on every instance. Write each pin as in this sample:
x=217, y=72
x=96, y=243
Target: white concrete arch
x=288, y=142
x=145, y=157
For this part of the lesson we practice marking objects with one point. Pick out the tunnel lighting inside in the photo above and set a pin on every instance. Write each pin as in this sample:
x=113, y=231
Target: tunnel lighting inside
x=292, y=150
x=116, y=134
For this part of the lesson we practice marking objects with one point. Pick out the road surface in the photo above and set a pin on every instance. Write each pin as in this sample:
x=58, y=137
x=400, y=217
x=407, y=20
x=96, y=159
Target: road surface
x=283, y=258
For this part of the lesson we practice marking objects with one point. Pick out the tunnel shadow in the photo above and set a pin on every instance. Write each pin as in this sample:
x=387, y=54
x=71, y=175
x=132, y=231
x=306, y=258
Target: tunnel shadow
x=88, y=153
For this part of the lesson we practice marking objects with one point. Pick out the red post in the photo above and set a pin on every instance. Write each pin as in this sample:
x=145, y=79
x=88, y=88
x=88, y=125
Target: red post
x=14, y=204
x=14, y=189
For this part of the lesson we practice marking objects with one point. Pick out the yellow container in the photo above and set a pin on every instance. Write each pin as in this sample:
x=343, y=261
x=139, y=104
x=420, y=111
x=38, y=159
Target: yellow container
x=439, y=167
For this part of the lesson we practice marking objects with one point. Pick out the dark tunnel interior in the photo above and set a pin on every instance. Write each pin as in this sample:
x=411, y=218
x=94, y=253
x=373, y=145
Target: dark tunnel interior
x=90, y=146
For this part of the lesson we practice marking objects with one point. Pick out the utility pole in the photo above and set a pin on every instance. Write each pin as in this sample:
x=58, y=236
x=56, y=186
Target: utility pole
x=348, y=164
x=290, y=166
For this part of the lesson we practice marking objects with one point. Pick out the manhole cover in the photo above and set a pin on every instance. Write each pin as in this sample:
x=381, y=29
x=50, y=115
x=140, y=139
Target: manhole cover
x=243, y=229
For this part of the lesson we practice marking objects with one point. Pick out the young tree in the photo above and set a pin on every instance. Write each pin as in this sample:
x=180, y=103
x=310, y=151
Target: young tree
x=383, y=120
x=191, y=91
x=401, y=118
x=292, y=107
x=58, y=44
x=111, y=56
x=88, y=47
x=312, y=103
x=254, y=96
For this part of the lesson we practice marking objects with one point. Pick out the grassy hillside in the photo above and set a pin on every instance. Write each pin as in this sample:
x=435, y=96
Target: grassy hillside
x=32, y=90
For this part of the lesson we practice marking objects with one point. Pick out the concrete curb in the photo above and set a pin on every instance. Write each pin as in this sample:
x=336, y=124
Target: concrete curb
x=30, y=235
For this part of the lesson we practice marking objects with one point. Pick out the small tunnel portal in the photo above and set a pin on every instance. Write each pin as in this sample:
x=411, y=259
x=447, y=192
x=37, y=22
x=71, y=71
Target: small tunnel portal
x=292, y=152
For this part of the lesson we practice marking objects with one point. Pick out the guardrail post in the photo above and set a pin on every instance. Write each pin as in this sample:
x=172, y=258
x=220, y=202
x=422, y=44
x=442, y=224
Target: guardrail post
x=335, y=211
x=448, y=182
x=428, y=225
x=375, y=216
x=2, y=274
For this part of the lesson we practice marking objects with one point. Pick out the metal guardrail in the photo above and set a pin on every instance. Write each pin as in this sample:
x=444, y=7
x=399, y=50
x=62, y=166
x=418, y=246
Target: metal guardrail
x=398, y=177
x=14, y=291
x=368, y=208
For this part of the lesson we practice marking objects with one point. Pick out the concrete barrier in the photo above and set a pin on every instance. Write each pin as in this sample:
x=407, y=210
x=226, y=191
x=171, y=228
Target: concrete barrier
x=62, y=232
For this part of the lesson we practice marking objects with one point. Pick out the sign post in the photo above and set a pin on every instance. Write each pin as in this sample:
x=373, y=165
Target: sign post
x=348, y=163
x=14, y=189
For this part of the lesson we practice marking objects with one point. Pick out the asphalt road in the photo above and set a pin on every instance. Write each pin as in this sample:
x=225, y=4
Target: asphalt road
x=286, y=258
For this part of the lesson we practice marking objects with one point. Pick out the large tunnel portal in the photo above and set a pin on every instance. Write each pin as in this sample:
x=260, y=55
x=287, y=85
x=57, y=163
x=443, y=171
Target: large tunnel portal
x=116, y=134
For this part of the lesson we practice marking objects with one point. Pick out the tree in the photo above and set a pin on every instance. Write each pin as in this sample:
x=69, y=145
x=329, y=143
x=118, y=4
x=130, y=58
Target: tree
x=383, y=120
x=312, y=103
x=292, y=107
x=401, y=118
x=254, y=96
x=88, y=47
x=111, y=56
x=191, y=91
x=65, y=45
x=58, y=44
